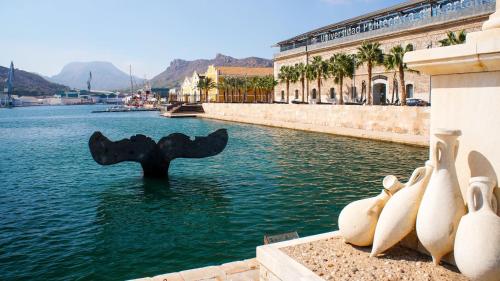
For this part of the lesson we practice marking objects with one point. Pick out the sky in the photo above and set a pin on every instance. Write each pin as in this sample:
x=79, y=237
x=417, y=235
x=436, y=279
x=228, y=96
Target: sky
x=43, y=35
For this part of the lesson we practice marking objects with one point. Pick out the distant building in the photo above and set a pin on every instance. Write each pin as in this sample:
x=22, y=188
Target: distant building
x=173, y=94
x=219, y=74
x=189, y=89
x=162, y=92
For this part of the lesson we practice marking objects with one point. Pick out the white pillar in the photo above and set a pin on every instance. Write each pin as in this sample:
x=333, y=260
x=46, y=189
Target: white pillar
x=494, y=21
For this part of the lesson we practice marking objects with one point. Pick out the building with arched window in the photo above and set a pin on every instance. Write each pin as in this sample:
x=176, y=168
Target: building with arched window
x=422, y=23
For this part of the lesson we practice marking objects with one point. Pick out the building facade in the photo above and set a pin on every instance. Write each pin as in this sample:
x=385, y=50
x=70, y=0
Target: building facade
x=233, y=84
x=422, y=23
x=190, y=92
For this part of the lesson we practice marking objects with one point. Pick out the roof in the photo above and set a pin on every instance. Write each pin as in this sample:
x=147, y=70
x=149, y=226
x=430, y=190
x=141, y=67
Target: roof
x=375, y=14
x=244, y=71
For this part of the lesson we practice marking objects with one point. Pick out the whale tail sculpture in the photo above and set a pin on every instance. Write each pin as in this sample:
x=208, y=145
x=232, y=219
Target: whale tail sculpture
x=155, y=157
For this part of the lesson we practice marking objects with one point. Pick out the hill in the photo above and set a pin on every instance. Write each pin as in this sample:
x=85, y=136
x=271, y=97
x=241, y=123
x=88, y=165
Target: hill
x=105, y=76
x=178, y=69
x=30, y=84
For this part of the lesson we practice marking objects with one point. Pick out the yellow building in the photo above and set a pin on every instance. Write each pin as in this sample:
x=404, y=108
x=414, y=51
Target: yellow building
x=233, y=84
x=189, y=89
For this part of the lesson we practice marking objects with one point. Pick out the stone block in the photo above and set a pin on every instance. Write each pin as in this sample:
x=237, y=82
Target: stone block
x=168, y=277
x=249, y=275
x=204, y=273
x=234, y=267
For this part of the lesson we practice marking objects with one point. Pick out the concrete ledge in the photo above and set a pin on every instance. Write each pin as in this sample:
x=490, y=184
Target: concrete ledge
x=245, y=270
x=407, y=125
x=276, y=265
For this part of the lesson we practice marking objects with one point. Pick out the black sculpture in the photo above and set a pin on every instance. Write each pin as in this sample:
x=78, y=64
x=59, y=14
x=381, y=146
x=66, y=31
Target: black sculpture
x=155, y=157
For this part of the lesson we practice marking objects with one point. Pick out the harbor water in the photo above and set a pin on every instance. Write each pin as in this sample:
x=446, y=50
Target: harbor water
x=64, y=217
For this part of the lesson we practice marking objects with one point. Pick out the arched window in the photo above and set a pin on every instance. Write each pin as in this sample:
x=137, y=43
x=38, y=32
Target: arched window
x=296, y=94
x=409, y=91
x=332, y=93
x=314, y=94
x=282, y=95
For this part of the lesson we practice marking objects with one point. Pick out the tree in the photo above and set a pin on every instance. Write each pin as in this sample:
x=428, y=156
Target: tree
x=310, y=76
x=395, y=61
x=320, y=71
x=268, y=83
x=231, y=83
x=206, y=83
x=300, y=70
x=240, y=84
x=199, y=85
x=224, y=86
x=453, y=38
x=285, y=76
x=371, y=54
x=253, y=83
x=341, y=66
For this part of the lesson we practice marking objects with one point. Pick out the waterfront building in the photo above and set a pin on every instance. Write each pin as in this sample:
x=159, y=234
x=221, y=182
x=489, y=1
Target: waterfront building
x=189, y=89
x=244, y=92
x=423, y=23
x=173, y=94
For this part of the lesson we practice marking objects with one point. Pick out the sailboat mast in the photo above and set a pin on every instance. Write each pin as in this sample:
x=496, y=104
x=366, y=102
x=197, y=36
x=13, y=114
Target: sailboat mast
x=131, y=81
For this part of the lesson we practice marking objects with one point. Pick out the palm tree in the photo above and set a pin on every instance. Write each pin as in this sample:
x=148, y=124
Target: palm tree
x=253, y=84
x=310, y=76
x=199, y=85
x=321, y=70
x=240, y=84
x=454, y=38
x=224, y=86
x=266, y=85
x=300, y=69
x=371, y=54
x=285, y=76
x=206, y=84
x=395, y=61
x=341, y=66
x=231, y=82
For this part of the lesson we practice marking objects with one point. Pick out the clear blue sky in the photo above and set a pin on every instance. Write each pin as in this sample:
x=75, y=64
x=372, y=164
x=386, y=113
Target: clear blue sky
x=42, y=36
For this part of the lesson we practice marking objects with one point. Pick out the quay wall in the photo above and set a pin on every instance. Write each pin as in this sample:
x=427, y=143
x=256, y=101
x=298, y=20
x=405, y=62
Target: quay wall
x=408, y=125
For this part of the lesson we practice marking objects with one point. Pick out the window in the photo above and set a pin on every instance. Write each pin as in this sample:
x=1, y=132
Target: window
x=296, y=94
x=332, y=93
x=282, y=95
x=314, y=94
x=409, y=91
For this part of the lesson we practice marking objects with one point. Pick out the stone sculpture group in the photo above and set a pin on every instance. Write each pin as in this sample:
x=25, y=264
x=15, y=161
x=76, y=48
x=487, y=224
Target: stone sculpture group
x=155, y=157
x=431, y=203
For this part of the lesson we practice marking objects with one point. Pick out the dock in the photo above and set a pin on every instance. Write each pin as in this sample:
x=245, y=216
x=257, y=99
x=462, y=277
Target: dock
x=184, y=111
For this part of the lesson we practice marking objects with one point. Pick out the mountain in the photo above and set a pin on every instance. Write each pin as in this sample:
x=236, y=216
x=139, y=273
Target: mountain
x=30, y=84
x=178, y=69
x=105, y=76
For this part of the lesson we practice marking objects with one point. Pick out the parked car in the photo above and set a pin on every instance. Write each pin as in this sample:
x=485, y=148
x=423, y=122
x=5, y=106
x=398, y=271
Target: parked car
x=416, y=102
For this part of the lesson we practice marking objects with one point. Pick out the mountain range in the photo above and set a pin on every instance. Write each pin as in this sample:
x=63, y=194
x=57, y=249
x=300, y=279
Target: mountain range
x=30, y=84
x=105, y=76
x=178, y=69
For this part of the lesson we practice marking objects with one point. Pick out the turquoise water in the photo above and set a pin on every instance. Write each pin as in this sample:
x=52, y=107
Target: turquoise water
x=64, y=217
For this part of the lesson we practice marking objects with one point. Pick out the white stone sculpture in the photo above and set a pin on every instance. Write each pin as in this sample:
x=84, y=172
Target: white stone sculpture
x=477, y=244
x=400, y=213
x=358, y=219
x=442, y=205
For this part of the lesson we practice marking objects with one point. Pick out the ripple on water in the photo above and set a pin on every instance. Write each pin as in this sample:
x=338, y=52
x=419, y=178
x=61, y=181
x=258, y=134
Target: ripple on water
x=66, y=218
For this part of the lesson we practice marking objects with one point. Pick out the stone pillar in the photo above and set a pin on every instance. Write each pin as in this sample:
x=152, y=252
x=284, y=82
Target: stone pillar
x=494, y=21
x=466, y=96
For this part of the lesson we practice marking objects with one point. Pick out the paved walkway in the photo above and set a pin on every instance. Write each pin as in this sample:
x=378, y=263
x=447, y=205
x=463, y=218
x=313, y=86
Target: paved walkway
x=246, y=270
